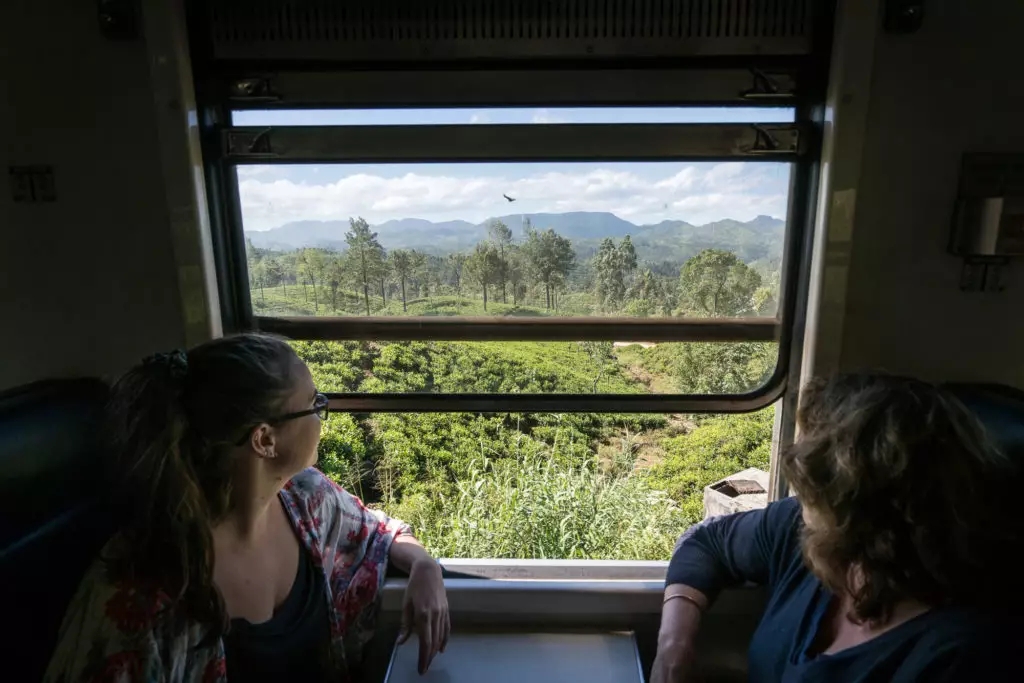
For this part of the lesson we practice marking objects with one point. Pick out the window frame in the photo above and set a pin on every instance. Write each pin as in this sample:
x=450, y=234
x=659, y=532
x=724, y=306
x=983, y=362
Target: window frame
x=228, y=146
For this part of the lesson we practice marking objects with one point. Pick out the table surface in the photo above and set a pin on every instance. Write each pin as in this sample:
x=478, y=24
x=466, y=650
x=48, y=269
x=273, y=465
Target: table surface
x=524, y=657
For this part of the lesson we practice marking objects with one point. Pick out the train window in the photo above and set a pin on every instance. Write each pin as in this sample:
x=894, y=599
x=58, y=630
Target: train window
x=533, y=324
x=632, y=244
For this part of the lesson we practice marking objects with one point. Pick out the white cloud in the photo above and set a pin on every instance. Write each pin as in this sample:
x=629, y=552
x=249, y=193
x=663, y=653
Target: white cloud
x=695, y=193
x=684, y=180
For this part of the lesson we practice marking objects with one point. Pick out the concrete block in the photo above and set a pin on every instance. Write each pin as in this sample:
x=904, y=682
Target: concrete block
x=721, y=498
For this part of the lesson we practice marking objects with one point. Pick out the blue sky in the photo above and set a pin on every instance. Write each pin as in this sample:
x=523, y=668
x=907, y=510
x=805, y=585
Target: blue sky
x=642, y=192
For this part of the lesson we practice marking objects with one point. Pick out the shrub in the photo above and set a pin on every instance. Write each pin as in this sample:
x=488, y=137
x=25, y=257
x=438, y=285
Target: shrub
x=720, y=445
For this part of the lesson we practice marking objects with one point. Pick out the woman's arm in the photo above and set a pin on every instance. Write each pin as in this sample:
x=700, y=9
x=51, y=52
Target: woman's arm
x=680, y=621
x=425, y=606
x=745, y=547
x=407, y=551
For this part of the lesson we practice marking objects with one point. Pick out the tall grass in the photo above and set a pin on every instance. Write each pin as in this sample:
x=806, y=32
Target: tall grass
x=536, y=506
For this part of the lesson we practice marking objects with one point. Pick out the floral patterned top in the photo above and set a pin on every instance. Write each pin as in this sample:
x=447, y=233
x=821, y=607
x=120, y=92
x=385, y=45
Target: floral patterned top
x=116, y=632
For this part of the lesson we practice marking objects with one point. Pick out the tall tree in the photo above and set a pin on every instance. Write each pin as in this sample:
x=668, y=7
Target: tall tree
x=364, y=256
x=253, y=255
x=381, y=271
x=289, y=270
x=610, y=285
x=335, y=275
x=501, y=236
x=627, y=263
x=516, y=272
x=258, y=274
x=551, y=257
x=627, y=255
x=482, y=267
x=646, y=296
x=456, y=263
x=313, y=264
x=716, y=283
x=274, y=271
x=614, y=266
x=405, y=264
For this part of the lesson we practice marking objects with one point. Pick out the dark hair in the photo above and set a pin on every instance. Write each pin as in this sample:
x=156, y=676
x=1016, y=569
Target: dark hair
x=171, y=423
x=900, y=477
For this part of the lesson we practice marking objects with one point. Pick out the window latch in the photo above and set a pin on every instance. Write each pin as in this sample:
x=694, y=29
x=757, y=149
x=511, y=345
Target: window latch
x=248, y=144
x=769, y=86
x=773, y=141
x=255, y=89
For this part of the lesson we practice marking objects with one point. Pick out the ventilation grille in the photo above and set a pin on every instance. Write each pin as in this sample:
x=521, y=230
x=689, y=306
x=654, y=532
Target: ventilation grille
x=507, y=28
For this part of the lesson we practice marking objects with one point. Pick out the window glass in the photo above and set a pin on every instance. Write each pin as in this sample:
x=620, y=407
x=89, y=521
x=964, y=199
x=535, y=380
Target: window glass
x=510, y=115
x=643, y=239
x=665, y=240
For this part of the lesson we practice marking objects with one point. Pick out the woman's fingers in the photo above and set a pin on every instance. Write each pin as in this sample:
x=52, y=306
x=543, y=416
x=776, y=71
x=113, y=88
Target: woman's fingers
x=423, y=628
x=438, y=632
x=447, y=626
x=405, y=630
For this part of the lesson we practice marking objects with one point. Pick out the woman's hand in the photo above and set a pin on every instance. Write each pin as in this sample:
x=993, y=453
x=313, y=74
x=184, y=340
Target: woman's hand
x=425, y=610
x=675, y=662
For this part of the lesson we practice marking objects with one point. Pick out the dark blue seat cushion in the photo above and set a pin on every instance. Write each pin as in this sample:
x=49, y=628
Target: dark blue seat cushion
x=52, y=485
x=1001, y=409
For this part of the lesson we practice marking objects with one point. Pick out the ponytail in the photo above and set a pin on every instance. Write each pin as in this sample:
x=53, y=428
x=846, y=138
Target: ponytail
x=171, y=423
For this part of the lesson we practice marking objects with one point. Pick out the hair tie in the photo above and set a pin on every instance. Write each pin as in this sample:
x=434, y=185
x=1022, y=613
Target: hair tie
x=175, y=362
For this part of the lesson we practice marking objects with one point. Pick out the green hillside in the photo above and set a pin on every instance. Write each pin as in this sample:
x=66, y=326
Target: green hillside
x=604, y=486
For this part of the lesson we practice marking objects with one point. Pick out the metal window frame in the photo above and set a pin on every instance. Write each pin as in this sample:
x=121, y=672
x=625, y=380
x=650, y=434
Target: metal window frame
x=512, y=143
x=772, y=83
x=230, y=146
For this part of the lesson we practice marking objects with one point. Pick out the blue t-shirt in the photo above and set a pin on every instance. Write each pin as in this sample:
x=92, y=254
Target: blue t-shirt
x=763, y=547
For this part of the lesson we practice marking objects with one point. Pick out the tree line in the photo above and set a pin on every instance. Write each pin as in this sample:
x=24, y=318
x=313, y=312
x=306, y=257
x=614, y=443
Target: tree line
x=539, y=269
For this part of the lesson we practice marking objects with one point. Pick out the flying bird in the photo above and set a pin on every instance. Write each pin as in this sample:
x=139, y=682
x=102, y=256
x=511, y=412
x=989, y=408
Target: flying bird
x=511, y=199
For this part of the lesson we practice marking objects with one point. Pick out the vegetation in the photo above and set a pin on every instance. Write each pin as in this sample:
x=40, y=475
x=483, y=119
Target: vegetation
x=608, y=486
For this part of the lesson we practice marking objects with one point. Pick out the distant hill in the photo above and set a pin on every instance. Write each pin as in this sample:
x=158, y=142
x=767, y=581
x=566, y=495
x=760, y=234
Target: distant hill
x=330, y=234
x=757, y=240
x=574, y=224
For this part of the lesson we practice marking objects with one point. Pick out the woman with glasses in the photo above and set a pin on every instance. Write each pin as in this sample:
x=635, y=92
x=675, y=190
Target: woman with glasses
x=236, y=559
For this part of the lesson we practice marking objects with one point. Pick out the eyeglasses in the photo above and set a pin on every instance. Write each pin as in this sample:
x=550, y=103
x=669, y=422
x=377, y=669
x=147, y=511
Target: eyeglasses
x=321, y=408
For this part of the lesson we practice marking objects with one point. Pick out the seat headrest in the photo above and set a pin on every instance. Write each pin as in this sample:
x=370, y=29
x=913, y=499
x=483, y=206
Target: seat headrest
x=48, y=451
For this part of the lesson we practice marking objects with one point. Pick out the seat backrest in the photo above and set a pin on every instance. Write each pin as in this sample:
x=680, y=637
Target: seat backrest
x=1001, y=409
x=53, y=521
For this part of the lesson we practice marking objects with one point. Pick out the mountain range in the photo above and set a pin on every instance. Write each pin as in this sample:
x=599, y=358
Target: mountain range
x=757, y=240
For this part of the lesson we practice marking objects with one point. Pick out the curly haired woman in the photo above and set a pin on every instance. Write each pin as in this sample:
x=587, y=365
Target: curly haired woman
x=888, y=564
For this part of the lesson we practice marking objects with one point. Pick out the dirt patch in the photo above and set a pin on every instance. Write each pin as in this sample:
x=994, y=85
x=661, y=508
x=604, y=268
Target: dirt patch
x=645, y=447
x=680, y=424
x=638, y=374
